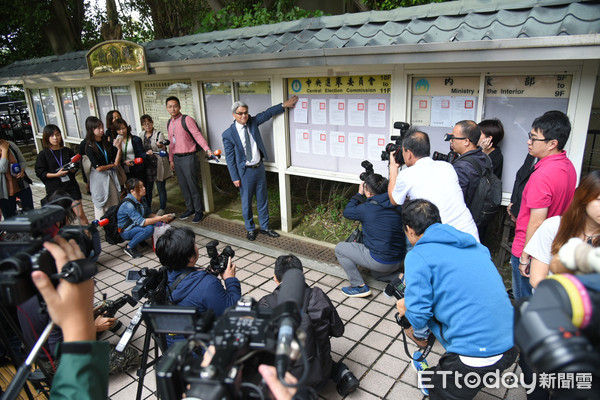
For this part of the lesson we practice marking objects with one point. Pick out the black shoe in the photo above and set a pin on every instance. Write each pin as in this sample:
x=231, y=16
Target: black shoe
x=131, y=252
x=347, y=384
x=186, y=214
x=198, y=217
x=251, y=235
x=269, y=232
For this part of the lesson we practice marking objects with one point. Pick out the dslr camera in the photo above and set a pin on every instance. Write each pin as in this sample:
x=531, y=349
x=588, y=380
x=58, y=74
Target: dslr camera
x=396, y=289
x=557, y=329
x=218, y=262
x=395, y=147
x=368, y=170
x=22, y=252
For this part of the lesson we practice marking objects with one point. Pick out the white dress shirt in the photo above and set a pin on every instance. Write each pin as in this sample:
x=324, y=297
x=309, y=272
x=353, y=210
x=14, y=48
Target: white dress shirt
x=255, y=153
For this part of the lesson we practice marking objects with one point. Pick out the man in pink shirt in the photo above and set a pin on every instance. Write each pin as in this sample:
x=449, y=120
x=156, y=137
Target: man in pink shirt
x=184, y=135
x=548, y=192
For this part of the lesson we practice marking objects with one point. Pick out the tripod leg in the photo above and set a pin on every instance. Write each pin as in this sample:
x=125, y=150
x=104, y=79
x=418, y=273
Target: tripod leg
x=141, y=373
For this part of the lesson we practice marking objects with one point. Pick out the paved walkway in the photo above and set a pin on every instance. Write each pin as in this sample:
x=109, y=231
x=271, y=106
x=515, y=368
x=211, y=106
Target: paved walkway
x=371, y=346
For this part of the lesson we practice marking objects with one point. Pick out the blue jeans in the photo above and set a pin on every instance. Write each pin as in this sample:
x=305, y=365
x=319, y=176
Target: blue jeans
x=137, y=234
x=520, y=284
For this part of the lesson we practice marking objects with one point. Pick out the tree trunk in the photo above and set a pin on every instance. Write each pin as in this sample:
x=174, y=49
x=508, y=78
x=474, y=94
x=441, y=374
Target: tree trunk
x=64, y=28
x=111, y=30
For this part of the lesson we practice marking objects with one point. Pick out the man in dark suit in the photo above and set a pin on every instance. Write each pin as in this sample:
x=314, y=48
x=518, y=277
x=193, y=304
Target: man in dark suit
x=244, y=151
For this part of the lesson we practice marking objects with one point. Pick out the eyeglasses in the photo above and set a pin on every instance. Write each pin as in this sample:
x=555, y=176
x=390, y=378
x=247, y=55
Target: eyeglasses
x=532, y=139
x=242, y=113
x=449, y=136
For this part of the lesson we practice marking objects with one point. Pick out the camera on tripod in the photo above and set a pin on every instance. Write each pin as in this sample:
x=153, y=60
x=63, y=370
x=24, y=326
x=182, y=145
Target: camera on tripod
x=557, y=329
x=395, y=148
x=22, y=252
x=151, y=283
x=218, y=262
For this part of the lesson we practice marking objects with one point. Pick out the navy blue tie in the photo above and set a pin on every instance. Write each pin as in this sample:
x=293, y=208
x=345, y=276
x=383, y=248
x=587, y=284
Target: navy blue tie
x=248, y=144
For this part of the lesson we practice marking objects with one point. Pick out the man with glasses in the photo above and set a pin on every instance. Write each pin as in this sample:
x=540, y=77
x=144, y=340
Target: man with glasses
x=245, y=151
x=548, y=192
x=431, y=180
x=463, y=140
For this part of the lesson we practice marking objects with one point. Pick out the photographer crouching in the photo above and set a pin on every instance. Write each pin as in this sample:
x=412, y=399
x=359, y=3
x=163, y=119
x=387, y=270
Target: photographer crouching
x=384, y=244
x=454, y=289
x=192, y=286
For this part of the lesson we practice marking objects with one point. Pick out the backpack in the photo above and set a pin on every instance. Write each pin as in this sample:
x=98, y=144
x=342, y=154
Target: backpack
x=185, y=128
x=488, y=195
x=111, y=230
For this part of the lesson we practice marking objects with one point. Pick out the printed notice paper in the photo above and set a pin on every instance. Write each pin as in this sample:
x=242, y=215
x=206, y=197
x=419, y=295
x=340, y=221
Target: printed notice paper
x=356, y=112
x=302, y=141
x=375, y=146
x=318, y=111
x=337, y=144
x=319, y=143
x=376, y=112
x=337, y=112
x=356, y=145
x=441, y=111
x=301, y=111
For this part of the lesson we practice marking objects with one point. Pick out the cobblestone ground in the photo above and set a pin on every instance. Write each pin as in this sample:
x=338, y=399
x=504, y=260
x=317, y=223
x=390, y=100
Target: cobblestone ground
x=371, y=346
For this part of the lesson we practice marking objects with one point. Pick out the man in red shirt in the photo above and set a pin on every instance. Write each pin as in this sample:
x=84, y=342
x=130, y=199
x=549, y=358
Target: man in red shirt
x=548, y=192
x=184, y=135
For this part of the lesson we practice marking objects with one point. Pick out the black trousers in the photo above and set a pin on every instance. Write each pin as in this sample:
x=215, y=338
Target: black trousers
x=447, y=386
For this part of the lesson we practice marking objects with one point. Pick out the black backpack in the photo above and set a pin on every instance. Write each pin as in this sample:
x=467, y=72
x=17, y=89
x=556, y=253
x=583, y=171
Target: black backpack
x=185, y=128
x=488, y=195
x=111, y=230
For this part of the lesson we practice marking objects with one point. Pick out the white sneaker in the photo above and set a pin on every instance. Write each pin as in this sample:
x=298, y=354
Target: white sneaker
x=160, y=212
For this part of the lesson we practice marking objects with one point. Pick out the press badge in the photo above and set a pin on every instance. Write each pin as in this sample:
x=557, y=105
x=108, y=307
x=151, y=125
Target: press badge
x=65, y=178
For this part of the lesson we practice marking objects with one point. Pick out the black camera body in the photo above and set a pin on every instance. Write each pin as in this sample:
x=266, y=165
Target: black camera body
x=557, y=330
x=151, y=284
x=22, y=252
x=451, y=156
x=395, y=147
x=244, y=328
x=368, y=170
x=218, y=262
x=396, y=289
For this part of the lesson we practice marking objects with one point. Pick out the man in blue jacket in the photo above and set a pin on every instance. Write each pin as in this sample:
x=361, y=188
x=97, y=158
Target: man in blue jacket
x=384, y=243
x=245, y=151
x=454, y=289
x=192, y=286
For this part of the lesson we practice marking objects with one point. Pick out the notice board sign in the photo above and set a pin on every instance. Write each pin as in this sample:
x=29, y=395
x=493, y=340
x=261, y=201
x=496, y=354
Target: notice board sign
x=340, y=121
x=154, y=96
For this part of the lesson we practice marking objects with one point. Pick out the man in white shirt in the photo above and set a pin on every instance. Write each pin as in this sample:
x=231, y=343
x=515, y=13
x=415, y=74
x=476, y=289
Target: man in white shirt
x=431, y=180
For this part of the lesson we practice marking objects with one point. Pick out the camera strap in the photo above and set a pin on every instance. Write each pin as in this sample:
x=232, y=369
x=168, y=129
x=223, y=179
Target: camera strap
x=430, y=342
x=177, y=281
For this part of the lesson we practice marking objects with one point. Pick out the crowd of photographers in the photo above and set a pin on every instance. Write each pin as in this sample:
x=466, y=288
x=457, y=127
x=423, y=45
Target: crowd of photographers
x=419, y=226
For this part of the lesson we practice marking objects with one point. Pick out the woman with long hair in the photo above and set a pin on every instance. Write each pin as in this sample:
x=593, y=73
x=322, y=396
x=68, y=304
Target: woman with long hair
x=581, y=220
x=104, y=158
x=157, y=168
x=48, y=167
x=111, y=132
x=131, y=148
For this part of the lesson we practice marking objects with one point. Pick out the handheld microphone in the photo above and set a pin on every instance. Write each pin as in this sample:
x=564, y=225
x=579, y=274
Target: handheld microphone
x=15, y=169
x=101, y=222
x=161, y=153
x=138, y=160
x=290, y=303
x=71, y=164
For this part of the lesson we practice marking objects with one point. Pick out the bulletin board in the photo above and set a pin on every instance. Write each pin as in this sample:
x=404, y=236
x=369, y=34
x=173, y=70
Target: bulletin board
x=517, y=101
x=438, y=103
x=258, y=97
x=340, y=121
x=217, y=103
x=154, y=96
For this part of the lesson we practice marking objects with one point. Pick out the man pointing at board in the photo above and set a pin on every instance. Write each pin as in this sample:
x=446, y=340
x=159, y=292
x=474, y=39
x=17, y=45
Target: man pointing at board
x=245, y=151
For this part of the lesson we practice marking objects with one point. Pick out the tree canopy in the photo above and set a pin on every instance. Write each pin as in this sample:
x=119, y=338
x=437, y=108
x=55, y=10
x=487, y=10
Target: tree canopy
x=36, y=28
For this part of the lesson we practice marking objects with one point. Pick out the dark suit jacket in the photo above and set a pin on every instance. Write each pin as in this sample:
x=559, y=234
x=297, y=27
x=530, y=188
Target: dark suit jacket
x=234, y=150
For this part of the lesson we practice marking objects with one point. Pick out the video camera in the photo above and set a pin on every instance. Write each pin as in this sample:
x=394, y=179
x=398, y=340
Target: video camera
x=557, y=329
x=109, y=308
x=218, y=262
x=22, y=252
x=244, y=337
x=392, y=148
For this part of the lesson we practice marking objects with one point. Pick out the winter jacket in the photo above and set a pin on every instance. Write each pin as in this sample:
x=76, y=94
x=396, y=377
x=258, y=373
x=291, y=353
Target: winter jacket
x=381, y=225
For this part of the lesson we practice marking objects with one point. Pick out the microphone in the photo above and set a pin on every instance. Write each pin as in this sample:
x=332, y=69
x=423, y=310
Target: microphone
x=15, y=169
x=101, y=222
x=138, y=160
x=161, y=153
x=71, y=164
x=290, y=303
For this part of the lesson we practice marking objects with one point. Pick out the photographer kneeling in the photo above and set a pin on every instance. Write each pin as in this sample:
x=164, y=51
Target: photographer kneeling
x=454, y=289
x=384, y=241
x=192, y=286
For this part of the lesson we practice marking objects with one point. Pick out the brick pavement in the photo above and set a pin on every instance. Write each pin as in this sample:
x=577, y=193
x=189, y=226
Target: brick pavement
x=371, y=346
